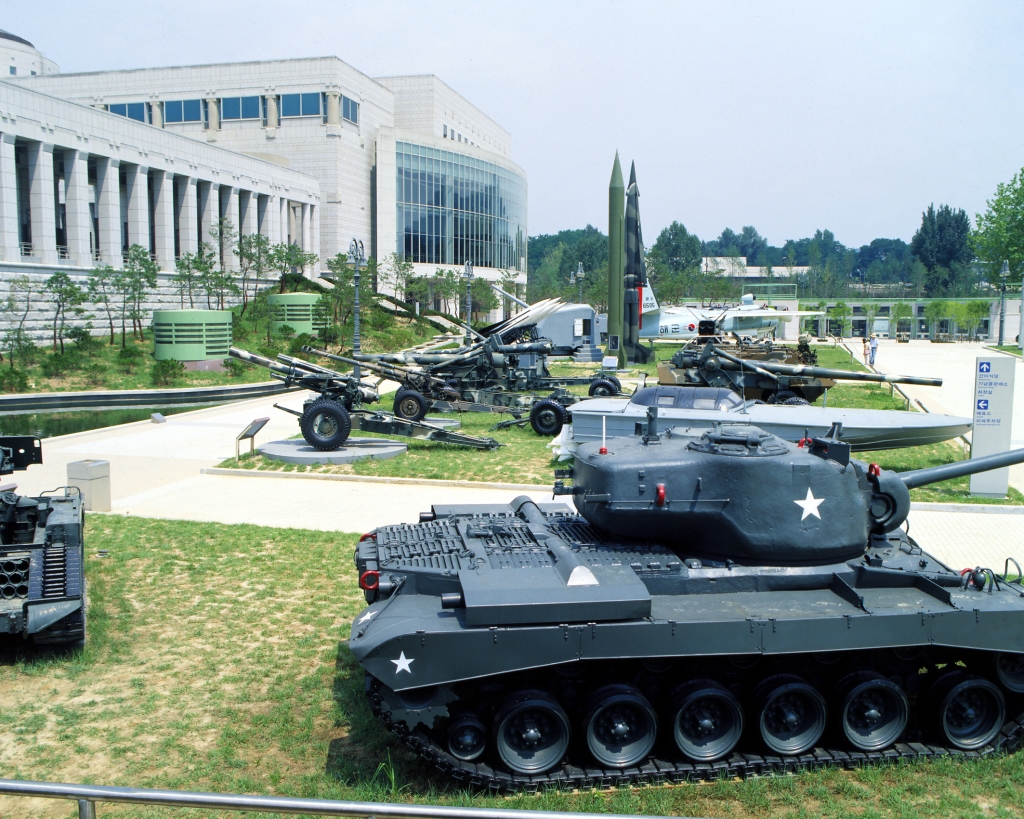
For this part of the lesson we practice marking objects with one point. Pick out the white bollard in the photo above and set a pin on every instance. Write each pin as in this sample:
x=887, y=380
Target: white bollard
x=93, y=480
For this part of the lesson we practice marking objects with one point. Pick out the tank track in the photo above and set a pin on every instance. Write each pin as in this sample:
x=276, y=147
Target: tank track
x=657, y=771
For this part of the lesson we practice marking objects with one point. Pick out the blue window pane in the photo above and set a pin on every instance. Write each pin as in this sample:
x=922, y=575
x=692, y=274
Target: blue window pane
x=137, y=110
x=172, y=111
x=290, y=106
x=310, y=104
x=118, y=108
x=230, y=108
x=250, y=107
x=192, y=111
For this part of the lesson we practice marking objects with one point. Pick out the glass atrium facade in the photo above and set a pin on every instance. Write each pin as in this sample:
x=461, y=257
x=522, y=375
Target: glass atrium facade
x=454, y=208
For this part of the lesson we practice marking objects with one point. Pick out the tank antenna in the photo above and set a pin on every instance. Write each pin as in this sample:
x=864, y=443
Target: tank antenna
x=604, y=424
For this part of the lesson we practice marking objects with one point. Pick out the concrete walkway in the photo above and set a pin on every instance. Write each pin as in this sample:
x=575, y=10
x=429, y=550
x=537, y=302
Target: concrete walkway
x=155, y=472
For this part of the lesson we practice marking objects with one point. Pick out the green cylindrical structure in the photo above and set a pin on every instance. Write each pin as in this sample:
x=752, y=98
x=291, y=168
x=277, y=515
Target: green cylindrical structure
x=191, y=335
x=294, y=310
x=616, y=259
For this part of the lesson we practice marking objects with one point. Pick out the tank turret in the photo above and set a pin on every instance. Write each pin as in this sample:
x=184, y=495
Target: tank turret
x=738, y=493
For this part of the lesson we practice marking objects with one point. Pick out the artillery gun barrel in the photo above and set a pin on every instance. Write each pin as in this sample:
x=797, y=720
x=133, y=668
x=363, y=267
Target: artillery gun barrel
x=934, y=474
x=748, y=364
x=252, y=358
x=848, y=375
x=542, y=347
x=380, y=368
x=308, y=365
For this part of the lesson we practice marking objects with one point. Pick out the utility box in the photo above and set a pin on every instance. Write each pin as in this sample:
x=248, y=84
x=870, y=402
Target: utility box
x=191, y=335
x=92, y=478
x=294, y=310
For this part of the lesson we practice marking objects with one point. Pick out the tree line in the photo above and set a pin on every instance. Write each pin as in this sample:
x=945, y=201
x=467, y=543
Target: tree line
x=947, y=257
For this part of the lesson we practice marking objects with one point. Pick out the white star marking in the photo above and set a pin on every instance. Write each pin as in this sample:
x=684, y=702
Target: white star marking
x=810, y=505
x=403, y=663
x=367, y=616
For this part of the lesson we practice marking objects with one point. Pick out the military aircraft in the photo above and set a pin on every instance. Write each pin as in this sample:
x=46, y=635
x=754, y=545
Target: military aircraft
x=692, y=321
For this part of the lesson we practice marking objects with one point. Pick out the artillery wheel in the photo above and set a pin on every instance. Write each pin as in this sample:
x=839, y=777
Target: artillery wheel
x=547, y=417
x=325, y=424
x=602, y=388
x=796, y=401
x=873, y=711
x=791, y=714
x=410, y=405
x=1010, y=671
x=531, y=732
x=615, y=381
x=707, y=720
x=620, y=726
x=969, y=710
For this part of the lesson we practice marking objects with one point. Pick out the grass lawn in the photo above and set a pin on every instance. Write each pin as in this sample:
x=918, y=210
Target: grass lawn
x=217, y=660
x=1012, y=349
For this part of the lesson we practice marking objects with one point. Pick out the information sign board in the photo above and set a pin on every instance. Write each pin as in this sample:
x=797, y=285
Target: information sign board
x=993, y=416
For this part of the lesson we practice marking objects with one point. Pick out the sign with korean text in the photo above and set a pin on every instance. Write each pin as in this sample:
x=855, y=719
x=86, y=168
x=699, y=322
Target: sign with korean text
x=993, y=415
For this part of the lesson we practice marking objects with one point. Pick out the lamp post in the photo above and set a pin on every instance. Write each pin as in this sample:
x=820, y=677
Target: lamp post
x=356, y=257
x=467, y=274
x=579, y=277
x=1003, y=275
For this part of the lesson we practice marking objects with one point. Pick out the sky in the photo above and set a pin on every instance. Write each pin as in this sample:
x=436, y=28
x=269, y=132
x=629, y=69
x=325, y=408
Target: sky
x=790, y=116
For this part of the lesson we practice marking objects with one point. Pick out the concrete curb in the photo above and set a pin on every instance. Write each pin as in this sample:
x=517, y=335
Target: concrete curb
x=976, y=508
x=1003, y=352
x=253, y=473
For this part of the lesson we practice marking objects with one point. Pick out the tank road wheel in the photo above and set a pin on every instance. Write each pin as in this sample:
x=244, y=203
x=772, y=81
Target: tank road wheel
x=796, y=401
x=325, y=424
x=620, y=726
x=467, y=738
x=1010, y=671
x=531, y=732
x=707, y=720
x=791, y=714
x=873, y=711
x=547, y=417
x=969, y=710
x=410, y=405
x=602, y=388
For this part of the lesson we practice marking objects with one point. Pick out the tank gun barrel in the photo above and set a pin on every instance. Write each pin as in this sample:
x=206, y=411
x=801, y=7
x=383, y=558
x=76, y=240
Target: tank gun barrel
x=934, y=474
x=848, y=375
x=747, y=364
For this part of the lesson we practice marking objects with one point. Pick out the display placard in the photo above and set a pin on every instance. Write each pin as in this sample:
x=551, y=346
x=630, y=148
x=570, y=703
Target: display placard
x=993, y=417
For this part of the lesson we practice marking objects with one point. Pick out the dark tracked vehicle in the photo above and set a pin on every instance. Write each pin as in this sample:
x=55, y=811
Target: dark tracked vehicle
x=728, y=605
x=42, y=556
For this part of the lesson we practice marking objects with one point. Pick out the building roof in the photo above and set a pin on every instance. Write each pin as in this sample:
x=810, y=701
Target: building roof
x=6, y=35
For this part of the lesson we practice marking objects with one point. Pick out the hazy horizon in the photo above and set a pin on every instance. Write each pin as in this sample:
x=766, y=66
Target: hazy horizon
x=789, y=117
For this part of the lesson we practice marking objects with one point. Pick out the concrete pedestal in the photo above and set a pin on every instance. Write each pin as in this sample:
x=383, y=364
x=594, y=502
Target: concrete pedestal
x=93, y=480
x=297, y=451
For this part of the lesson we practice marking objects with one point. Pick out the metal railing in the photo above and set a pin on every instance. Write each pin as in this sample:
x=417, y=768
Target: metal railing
x=88, y=796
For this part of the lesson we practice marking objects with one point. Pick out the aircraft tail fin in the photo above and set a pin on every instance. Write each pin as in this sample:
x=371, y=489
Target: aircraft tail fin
x=650, y=303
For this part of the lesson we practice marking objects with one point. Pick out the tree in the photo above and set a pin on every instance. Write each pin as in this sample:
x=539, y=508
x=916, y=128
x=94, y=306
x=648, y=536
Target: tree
x=284, y=258
x=936, y=311
x=943, y=238
x=840, y=313
x=396, y=272
x=676, y=250
x=131, y=285
x=999, y=231
x=340, y=300
x=253, y=252
x=14, y=309
x=483, y=299
x=64, y=296
x=187, y=279
x=102, y=289
x=223, y=235
x=900, y=312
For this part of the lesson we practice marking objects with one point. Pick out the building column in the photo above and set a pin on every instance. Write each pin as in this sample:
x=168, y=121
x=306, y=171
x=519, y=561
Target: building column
x=108, y=210
x=188, y=240
x=9, y=247
x=306, y=239
x=137, y=190
x=247, y=205
x=314, y=232
x=263, y=212
x=333, y=108
x=42, y=202
x=229, y=210
x=76, y=206
x=212, y=114
x=286, y=221
x=208, y=198
x=156, y=114
x=163, y=219
x=272, y=118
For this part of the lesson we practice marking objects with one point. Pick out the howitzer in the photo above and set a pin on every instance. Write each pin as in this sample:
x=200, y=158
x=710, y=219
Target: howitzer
x=767, y=380
x=328, y=420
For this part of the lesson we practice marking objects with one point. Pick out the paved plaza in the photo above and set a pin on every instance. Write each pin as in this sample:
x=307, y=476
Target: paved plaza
x=157, y=470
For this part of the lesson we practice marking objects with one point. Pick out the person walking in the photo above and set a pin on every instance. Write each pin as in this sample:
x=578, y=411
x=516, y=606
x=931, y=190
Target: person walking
x=874, y=348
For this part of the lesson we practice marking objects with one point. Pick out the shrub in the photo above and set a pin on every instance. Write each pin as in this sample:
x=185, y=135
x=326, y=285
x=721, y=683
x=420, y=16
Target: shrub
x=129, y=358
x=165, y=373
x=95, y=375
x=297, y=343
x=329, y=334
x=285, y=331
x=13, y=380
x=57, y=364
x=235, y=367
x=84, y=341
x=380, y=319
